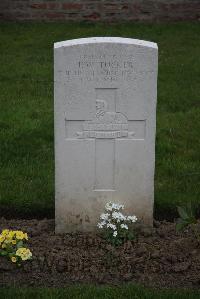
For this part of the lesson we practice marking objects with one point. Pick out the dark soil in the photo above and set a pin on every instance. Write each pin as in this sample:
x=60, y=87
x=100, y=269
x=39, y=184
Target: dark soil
x=158, y=257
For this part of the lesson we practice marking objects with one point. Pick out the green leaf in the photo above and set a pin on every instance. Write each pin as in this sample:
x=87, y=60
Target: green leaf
x=131, y=236
x=183, y=213
x=11, y=254
x=20, y=244
x=3, y=253
x=192, y=220
x=189, y=209
x=181, y=225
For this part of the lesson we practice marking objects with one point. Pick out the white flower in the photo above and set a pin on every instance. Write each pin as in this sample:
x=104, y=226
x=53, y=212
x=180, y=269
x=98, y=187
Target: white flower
x=115, y=234
x=104, y=216
x=132, y=218
x=117, y=206
x=108, y=206
x=101, y=224
x=113, y=206
x=118, y=216
x=113, y=226
x=114, y=219
x=124, y=226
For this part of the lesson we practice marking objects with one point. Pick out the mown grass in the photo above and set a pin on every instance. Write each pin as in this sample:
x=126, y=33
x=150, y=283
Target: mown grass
x=26, y=112
x=94, y=292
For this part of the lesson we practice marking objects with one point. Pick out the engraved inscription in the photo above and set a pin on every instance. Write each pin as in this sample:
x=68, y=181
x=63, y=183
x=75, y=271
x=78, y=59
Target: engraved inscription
x=102, y=68
x=105, y=124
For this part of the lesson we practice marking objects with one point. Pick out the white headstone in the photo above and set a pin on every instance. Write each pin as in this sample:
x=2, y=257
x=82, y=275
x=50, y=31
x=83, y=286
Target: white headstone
x=105, y=122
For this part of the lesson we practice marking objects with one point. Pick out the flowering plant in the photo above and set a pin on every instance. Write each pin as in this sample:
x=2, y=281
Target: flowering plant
x=12, y=246
x=116, y=224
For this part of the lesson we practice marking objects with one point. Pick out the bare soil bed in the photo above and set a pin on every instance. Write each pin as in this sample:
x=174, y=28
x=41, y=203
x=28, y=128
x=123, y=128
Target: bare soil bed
x=158, y=257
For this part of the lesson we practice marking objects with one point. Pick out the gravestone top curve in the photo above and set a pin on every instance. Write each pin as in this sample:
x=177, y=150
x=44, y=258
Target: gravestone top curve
x=92, y=40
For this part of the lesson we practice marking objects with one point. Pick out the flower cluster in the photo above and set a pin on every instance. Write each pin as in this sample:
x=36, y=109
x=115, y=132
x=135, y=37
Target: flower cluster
x=12, y=245
x=114, y=220
x=24, y=253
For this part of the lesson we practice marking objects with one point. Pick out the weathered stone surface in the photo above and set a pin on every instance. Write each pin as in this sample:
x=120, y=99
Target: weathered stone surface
x=105, y=119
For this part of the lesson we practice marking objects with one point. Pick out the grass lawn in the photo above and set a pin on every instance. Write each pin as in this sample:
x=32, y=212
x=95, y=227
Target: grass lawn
x=26, y=114
x=92, y=292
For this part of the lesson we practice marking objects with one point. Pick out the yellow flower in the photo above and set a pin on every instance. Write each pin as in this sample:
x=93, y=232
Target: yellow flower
x=2, y=238
x=19, y=235
x=14, y=242
x=5, y=232
x=13, y=259
x=24, y=253
x=25, y=236
x=7, y=241
x=11, y=234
